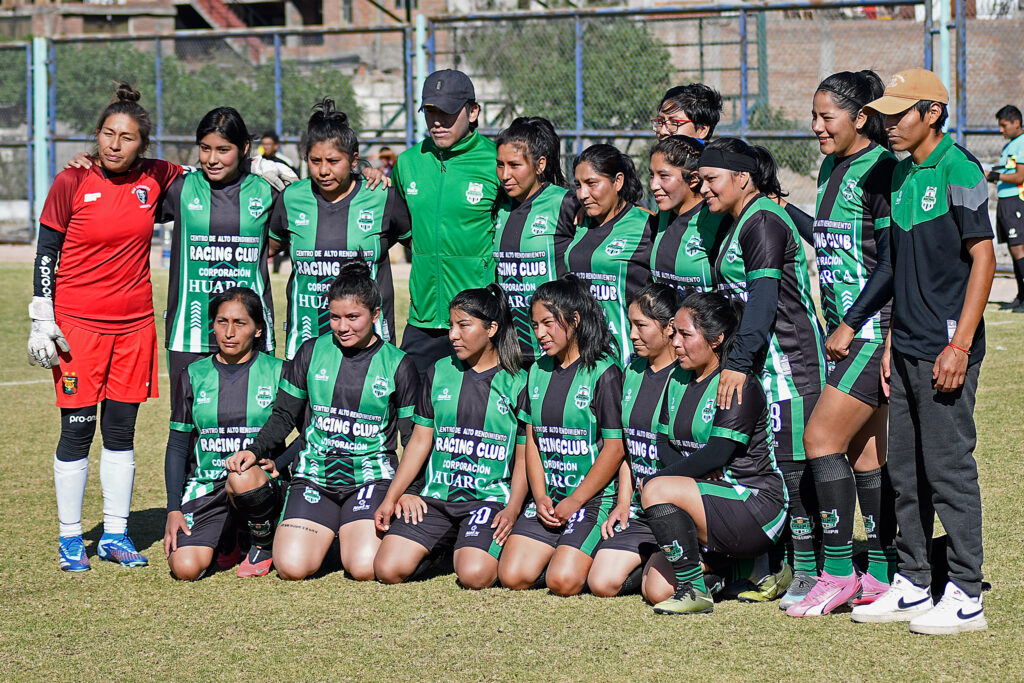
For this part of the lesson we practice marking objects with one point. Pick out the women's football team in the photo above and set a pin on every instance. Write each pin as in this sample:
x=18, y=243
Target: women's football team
x=639, y=403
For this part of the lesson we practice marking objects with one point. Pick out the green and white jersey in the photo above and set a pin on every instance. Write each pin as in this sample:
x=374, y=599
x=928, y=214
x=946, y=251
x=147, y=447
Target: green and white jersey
x=764, y=243
x=852, y=218
x=356, y=398
x=219, y=242
x=1011, y=156
x=223, y=407
x=642, y=392
x=477, y=418
x=321, y=236
x=682, y=248
x=529, y=240
x=572, y=411
x=614, y=260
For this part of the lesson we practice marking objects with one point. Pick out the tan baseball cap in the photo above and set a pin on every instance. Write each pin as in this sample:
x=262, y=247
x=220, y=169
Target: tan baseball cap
x=906, y=89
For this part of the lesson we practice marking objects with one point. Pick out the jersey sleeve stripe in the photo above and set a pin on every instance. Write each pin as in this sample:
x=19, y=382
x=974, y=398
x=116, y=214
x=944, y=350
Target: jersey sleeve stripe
x=774, y=273
x=611, y=433
x=181, y=427
x=731, y=434
x=293, y=390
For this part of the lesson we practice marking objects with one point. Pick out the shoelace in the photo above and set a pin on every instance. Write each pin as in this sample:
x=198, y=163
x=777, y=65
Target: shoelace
x=685, y=590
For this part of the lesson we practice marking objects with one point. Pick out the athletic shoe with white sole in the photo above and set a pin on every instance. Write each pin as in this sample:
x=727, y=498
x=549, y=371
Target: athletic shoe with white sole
x=256, y=563
x=828, y=593
x=770, y=587
x=956, y=612
x=870, y=590
x=71, y=553
x=799, y=588
x=902, y=602
x=687, y=600
x=119, y=548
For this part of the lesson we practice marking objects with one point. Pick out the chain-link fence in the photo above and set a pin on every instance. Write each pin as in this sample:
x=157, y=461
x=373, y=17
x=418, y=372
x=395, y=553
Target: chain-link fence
x=16, y=181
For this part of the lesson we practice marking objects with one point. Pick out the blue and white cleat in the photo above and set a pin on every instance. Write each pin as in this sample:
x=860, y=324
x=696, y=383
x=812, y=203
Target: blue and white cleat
x=120, y=549
x=72, y=554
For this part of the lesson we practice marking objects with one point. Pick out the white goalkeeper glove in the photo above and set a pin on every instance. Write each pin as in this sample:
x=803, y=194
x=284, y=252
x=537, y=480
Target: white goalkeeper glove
x=45, y=337
x=277, y=174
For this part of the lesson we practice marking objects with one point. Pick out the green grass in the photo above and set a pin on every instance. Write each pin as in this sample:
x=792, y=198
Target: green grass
x=139, y=624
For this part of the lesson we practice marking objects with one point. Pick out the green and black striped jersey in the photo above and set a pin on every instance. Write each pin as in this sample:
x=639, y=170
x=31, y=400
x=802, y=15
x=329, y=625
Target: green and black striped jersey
x=477, y=418
x=529, y=241
x=642, y=393
x=683, y=248
x=614, y=260
x=219, y=242
x=764, y=243
x=572, y=410
x=852, y=218
x=321, y=236
x=223, y=407
x=355, y=398
x=690, y=417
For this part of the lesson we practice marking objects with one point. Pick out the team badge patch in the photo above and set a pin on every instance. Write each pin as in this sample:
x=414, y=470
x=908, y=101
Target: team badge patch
x=311, y=495
x=531, y=511
x=615, y=247
x=849, y=190
x=732, y=253
x=503, y=404
x=365, y=220
x=195, y=204
x=321, y=376
x=69, y=383
x=474, y=193
x=672, y=552
x=928, y=200
x=708, y=412
x=694, y=246
x=412, y=189
x=302, y=220
x=540, y=225
x=255, y=207
x=188, y=519
x=444, y=395
x=141, y=193
x=800, y=526
x=869, y=524
x=380, y=386
x=582, y=398
x=629, y=395
x=202, y=399
x=829, y=519
x=264, y=396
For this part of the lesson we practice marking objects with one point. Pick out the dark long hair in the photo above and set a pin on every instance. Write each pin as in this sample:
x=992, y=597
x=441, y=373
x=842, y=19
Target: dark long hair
x=568, y=299
x=609, y=162
x=490, y=305
x=715, y=315
x=766, y=174
x=851, y=91
x=537, y=137
x=330, y=125
x=253, y=307
x=658, y=301
x=126, y=101
x=355, y=281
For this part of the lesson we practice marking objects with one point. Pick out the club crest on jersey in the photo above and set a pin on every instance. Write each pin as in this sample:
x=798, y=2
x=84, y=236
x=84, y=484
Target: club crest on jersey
x=531, y=511
x=829, y=519
x=141, y=193
x=694, y=246
x=540, y=225
x=264, y=396
x=615, y=247
x=365, y=220
x=69, y=383
x=582, y=398
x=321, y=376
x=255, y=207
x=380, y=386
x=708, y=412
x=849, y=190
x=302, y=220
x=188, y=519
x=444, y=395
x=474, y=193
x=928, y=200
x=733, y=252
x=412, y=189
x=536, y=392
x=311, y=495
x=202, y=399
x=195, y=204
x=502, y=403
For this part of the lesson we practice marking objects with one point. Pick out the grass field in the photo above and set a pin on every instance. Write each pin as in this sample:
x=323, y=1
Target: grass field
x=134, y=624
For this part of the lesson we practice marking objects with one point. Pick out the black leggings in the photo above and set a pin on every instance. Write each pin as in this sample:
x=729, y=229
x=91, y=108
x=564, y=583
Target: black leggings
x=78, y=426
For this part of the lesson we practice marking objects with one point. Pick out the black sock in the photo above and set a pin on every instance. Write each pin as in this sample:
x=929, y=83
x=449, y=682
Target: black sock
x=877, y=505
x=676, y=533
x=259, y=507
x=837, y=502
x=800, y=485
x=632, y=583
x=422, y=568
x=1018, y=272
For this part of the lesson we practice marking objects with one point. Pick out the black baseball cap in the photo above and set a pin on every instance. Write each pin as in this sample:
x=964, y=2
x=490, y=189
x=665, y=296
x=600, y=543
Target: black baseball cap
x=448, y=90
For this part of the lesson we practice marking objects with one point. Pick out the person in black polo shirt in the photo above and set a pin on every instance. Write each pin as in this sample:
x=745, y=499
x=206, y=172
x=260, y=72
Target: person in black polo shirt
x=938, y=274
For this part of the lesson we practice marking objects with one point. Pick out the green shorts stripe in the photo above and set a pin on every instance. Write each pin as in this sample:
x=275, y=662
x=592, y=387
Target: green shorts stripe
x=594, y=537
x=711, y=488
x=856, y=367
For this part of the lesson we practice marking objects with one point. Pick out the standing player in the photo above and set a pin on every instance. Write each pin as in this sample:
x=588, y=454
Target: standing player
x=848, y=425
x=470, y=434
x=627, y=540
x=939, y=274
x=687, y=231
x=92, y=319
x=220, y=239
x=224, y=399
x=270, y=145
x=329, y=218
x=611, y=252
x=719, y=487
x=761, y=261
x=534, y=219
x=573, y=442
x=1009, y=179
x=693, y=110
x=349, y=393
x=449, y=185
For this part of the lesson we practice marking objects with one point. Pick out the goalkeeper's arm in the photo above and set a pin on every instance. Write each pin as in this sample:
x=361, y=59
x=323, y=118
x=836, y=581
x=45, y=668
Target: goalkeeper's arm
x=45, y=336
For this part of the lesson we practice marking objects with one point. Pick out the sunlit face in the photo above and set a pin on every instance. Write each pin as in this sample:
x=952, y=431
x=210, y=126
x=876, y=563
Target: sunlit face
x=352, y=322
x=650, y=338
x=119, y=142
x=674, y=121
x=909, y=129
x=330, y=168
x=598, y=193
x=447, y=129
x=1010, y=129
x=235, y=331
x=469, y=335
x=219, y=158
x=552, y=336
x=723, y=189
x=692, y=350
x=518, y=174
x=836, y=131
x=669, y=184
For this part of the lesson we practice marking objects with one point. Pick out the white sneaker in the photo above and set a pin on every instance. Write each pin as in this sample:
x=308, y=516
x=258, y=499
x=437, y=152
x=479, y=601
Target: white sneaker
x=955, y=613
x=902, y=602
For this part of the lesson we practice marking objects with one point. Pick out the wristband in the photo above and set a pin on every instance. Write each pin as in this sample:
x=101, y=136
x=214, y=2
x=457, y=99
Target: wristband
x=954, y=346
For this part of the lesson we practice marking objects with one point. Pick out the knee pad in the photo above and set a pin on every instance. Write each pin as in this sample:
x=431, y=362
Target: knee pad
x=77, y=428
x=117, y=425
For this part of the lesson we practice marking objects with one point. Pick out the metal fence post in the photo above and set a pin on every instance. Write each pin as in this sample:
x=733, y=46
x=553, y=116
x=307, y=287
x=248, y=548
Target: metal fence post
x=159, y=99
x=277, y=84
x=929, y=36
x=744, y=92
x=762, y=60
x=961, y=69
x=579, y=83
x=431, y=47
x=421, y=72
x=50, y=107
x=410, y=109
x=29, y=144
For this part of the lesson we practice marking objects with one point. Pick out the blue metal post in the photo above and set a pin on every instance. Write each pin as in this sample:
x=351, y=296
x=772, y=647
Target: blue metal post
x=961, y=70
x=421, y=72
x=579, y=84
x=410, y=109
x=277, y=83
x=929, y=48
x=743, y=74
x=50, y=107
x=30, y=133
x=159, y=99
x=431, y=48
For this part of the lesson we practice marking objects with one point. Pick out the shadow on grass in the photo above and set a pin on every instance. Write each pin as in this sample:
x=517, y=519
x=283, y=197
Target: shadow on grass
x=145, y=527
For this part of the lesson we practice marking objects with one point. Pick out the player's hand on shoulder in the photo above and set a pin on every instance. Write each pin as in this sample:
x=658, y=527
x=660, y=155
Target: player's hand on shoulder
x=239, y=462
x=80, y=160
x=411, y=508
x=375, y=177
x=175, y=523
x=730, y=385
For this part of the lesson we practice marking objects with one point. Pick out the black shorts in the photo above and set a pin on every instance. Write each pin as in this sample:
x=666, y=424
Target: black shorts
x=177, y=363
x=636, y=538
x=1010, y=221
x=333, y=507
x=787, y=420
x=735, y=520
x=583, y=532
x=212, y=517
x=859, y=373
x=465, y=524
x=425, y=346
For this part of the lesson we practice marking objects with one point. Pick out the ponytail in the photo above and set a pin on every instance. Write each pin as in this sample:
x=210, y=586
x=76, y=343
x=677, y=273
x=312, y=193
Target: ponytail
x=329, y=125
x=569, y=300
x=355, y=281
x=126, y=101
x=609, y=162
x=851, y=91
x=658, y=302
x=490, y=305
x=536, y=138
x=715, y=315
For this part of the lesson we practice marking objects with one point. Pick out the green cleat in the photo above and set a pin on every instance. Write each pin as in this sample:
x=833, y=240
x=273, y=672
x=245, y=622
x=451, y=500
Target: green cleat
x=770, y=587
x=687, y=600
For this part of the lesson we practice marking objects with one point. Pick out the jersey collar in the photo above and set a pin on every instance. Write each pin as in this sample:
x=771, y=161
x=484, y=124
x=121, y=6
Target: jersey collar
x=466, y=143
x=936, y=156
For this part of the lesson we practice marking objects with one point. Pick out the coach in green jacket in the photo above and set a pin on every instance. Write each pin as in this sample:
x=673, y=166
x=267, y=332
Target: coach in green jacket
x=449, y=183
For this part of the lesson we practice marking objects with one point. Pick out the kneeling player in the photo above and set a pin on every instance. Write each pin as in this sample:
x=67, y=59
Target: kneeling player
x=222, y=400
x=356, y=389
x=469, y=423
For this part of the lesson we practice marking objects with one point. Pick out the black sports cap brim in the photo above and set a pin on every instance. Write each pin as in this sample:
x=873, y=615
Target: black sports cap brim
x=449, y=105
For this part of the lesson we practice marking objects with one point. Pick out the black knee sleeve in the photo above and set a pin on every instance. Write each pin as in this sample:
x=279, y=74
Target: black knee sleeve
x=260, y=507
x=77, y=427
x=117, y=425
